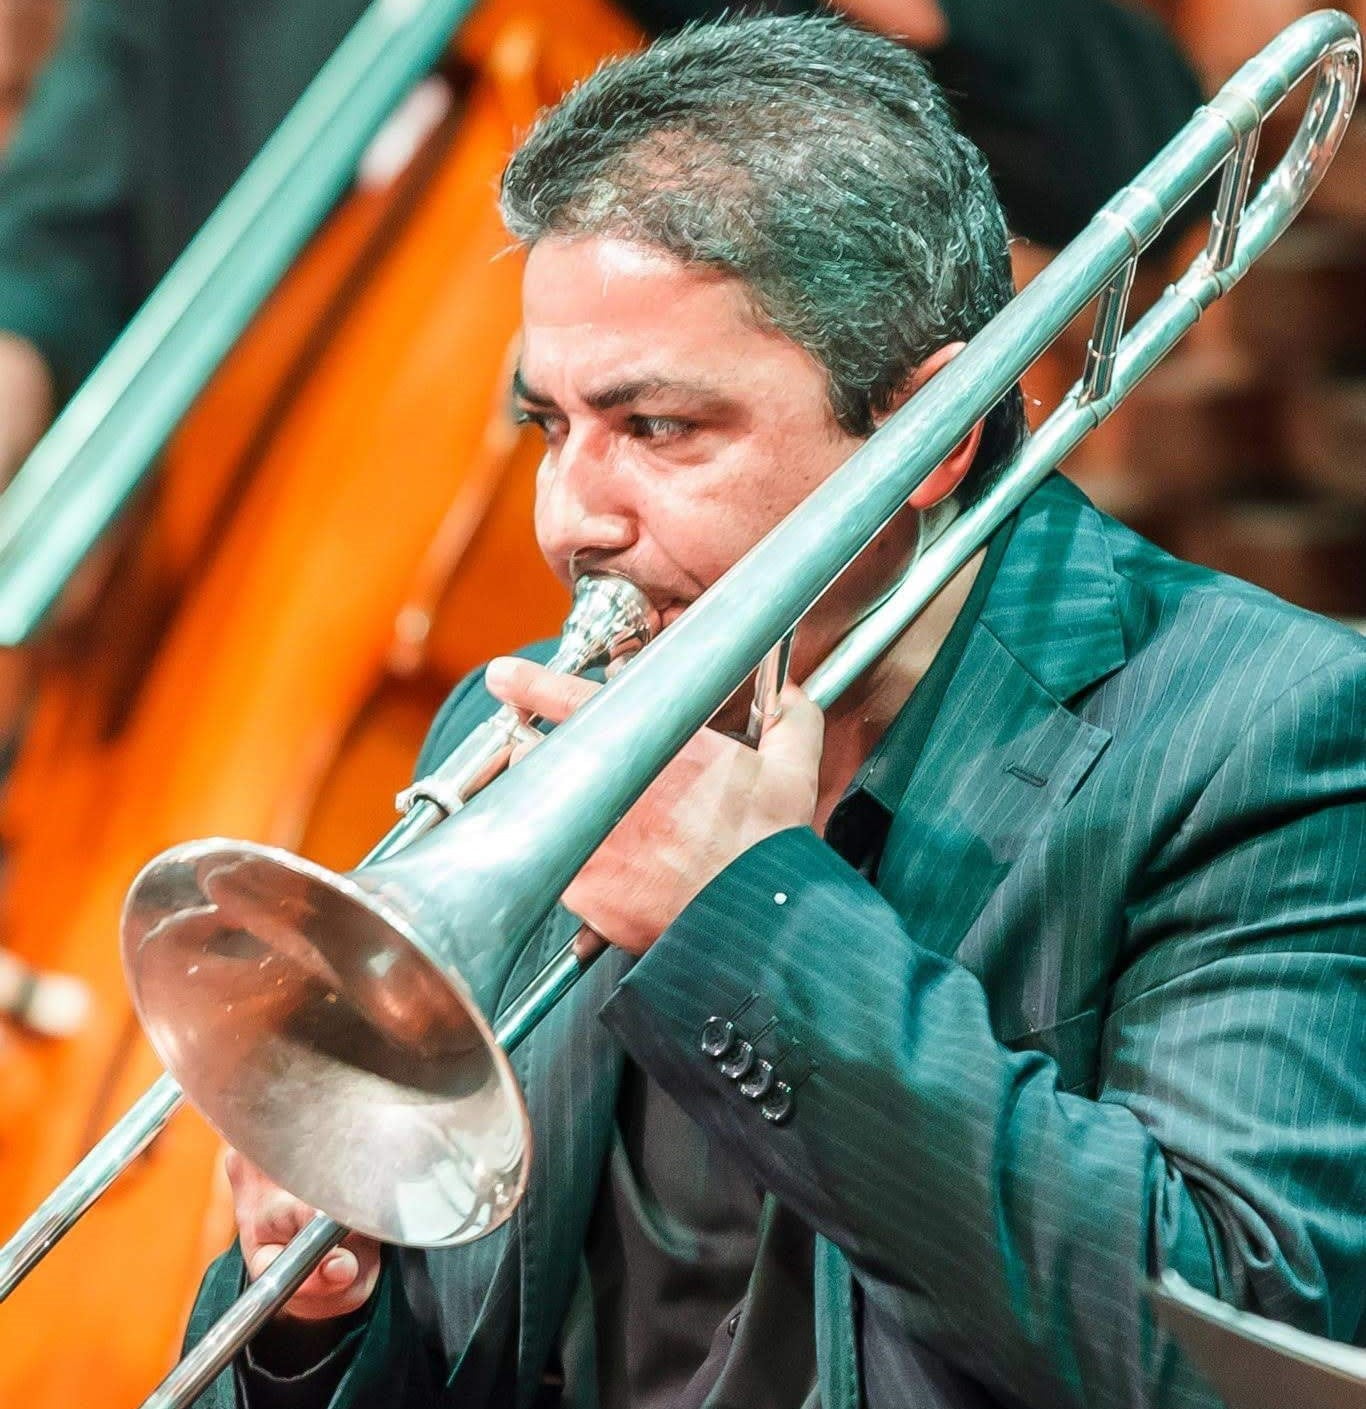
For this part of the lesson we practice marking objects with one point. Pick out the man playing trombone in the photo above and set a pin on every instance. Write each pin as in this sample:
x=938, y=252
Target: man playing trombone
x=933, y=1026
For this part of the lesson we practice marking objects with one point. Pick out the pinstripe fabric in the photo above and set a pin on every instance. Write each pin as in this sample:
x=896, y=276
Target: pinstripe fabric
x=1105, y=1009
x=1108, y=1008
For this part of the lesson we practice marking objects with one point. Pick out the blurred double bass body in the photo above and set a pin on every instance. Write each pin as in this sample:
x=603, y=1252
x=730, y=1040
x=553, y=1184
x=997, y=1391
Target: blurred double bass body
x=327, y=548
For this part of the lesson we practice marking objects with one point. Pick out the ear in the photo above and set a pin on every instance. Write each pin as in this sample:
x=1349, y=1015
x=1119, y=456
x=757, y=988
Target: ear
x=948, y=475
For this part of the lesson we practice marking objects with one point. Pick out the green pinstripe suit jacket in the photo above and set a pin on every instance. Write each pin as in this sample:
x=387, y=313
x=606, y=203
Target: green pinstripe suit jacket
x=1104, y=1011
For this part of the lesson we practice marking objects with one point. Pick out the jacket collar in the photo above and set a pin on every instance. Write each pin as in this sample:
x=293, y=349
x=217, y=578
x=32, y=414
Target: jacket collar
x=1054, y=604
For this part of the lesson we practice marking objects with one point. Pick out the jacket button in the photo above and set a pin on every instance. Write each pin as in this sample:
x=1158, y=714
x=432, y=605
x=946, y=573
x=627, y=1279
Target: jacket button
x=737, y=1063
x=718, y=1037
x=776, y=1107
x=759, y=1082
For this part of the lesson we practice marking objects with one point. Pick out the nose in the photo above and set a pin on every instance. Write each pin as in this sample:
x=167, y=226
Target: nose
x=583, y=508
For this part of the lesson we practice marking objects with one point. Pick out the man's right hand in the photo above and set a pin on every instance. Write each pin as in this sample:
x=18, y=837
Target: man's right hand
x=268, y=1217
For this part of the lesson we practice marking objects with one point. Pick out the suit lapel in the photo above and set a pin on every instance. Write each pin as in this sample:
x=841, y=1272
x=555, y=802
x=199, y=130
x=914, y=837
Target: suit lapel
x=1002, y=759
x=1005, y=752
x=1004, y=755
x=570, y=1069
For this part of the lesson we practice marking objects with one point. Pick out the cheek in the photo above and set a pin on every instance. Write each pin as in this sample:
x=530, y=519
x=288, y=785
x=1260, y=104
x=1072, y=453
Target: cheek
x=706, y=523
x=702, y=530
x=787, y=468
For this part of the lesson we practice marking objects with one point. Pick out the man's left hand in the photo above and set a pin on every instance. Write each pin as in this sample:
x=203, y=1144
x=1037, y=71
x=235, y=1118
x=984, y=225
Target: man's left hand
x=715, y=800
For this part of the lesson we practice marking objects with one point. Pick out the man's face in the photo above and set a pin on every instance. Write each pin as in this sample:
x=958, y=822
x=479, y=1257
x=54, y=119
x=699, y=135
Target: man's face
x=679, y=429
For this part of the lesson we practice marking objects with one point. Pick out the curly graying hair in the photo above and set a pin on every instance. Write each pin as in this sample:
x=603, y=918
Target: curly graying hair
x=814, y=161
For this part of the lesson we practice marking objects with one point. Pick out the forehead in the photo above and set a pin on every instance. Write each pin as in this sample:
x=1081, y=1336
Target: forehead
x=595, y=308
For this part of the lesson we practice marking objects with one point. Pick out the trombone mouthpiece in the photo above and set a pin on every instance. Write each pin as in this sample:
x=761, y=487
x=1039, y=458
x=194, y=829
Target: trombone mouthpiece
x=610, y=617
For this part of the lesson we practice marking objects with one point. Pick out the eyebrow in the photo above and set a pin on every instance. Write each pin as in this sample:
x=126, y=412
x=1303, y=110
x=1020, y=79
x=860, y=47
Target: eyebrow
x=623, y=393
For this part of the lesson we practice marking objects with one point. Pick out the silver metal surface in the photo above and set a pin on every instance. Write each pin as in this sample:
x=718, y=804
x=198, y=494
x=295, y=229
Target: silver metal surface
x=1096, y=379
x=267, y=1294
x=316, y=1032
x=609, y=617
x=59, y=1212
x=1328, y=44
x=261, y=1300
x=765, y=709
x=1228, y=210
x=517, y=1022
x=136, y=1129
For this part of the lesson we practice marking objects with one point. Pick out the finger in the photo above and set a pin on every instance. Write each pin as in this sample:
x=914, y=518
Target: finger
x=531, y=687
x=247, y=1184
x=341, y=1283
x=588, y=944
x=797, y=736
x=339, y=1269
x=260, y=1258
x=278, y=1216
x=337, y=1272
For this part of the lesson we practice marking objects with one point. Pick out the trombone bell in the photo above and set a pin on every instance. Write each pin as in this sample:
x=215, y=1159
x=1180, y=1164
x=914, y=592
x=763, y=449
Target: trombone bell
x=303, y=1014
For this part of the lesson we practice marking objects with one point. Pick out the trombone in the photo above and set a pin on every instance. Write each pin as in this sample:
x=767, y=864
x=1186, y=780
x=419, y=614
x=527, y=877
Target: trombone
x=333, y=1026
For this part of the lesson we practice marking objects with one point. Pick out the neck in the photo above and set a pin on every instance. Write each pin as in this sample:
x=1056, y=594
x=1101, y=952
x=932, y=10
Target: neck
x=856, y=722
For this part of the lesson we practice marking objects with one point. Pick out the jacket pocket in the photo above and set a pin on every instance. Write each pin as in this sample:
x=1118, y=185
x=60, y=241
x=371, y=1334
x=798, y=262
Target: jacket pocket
x=1072, y=1044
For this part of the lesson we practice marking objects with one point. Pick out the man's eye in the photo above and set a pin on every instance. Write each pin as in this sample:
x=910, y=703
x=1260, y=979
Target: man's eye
x=549, y=426
x=658, y=428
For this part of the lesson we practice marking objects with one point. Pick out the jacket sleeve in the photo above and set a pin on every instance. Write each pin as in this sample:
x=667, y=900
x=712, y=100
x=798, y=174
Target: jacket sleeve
x=1068, y=99
x=68, y=249
x=1006, y=1223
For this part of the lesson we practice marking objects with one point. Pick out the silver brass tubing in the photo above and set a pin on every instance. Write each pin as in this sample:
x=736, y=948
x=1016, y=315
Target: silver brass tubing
x=764, y=709
x=265, y=1296
x=1282, y=196
x=1233, y=189
x=268, y=1293
x=1105, y=336
x=554, y=980
x=261, y=1300
x=419, y=819
x=59, y=1212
